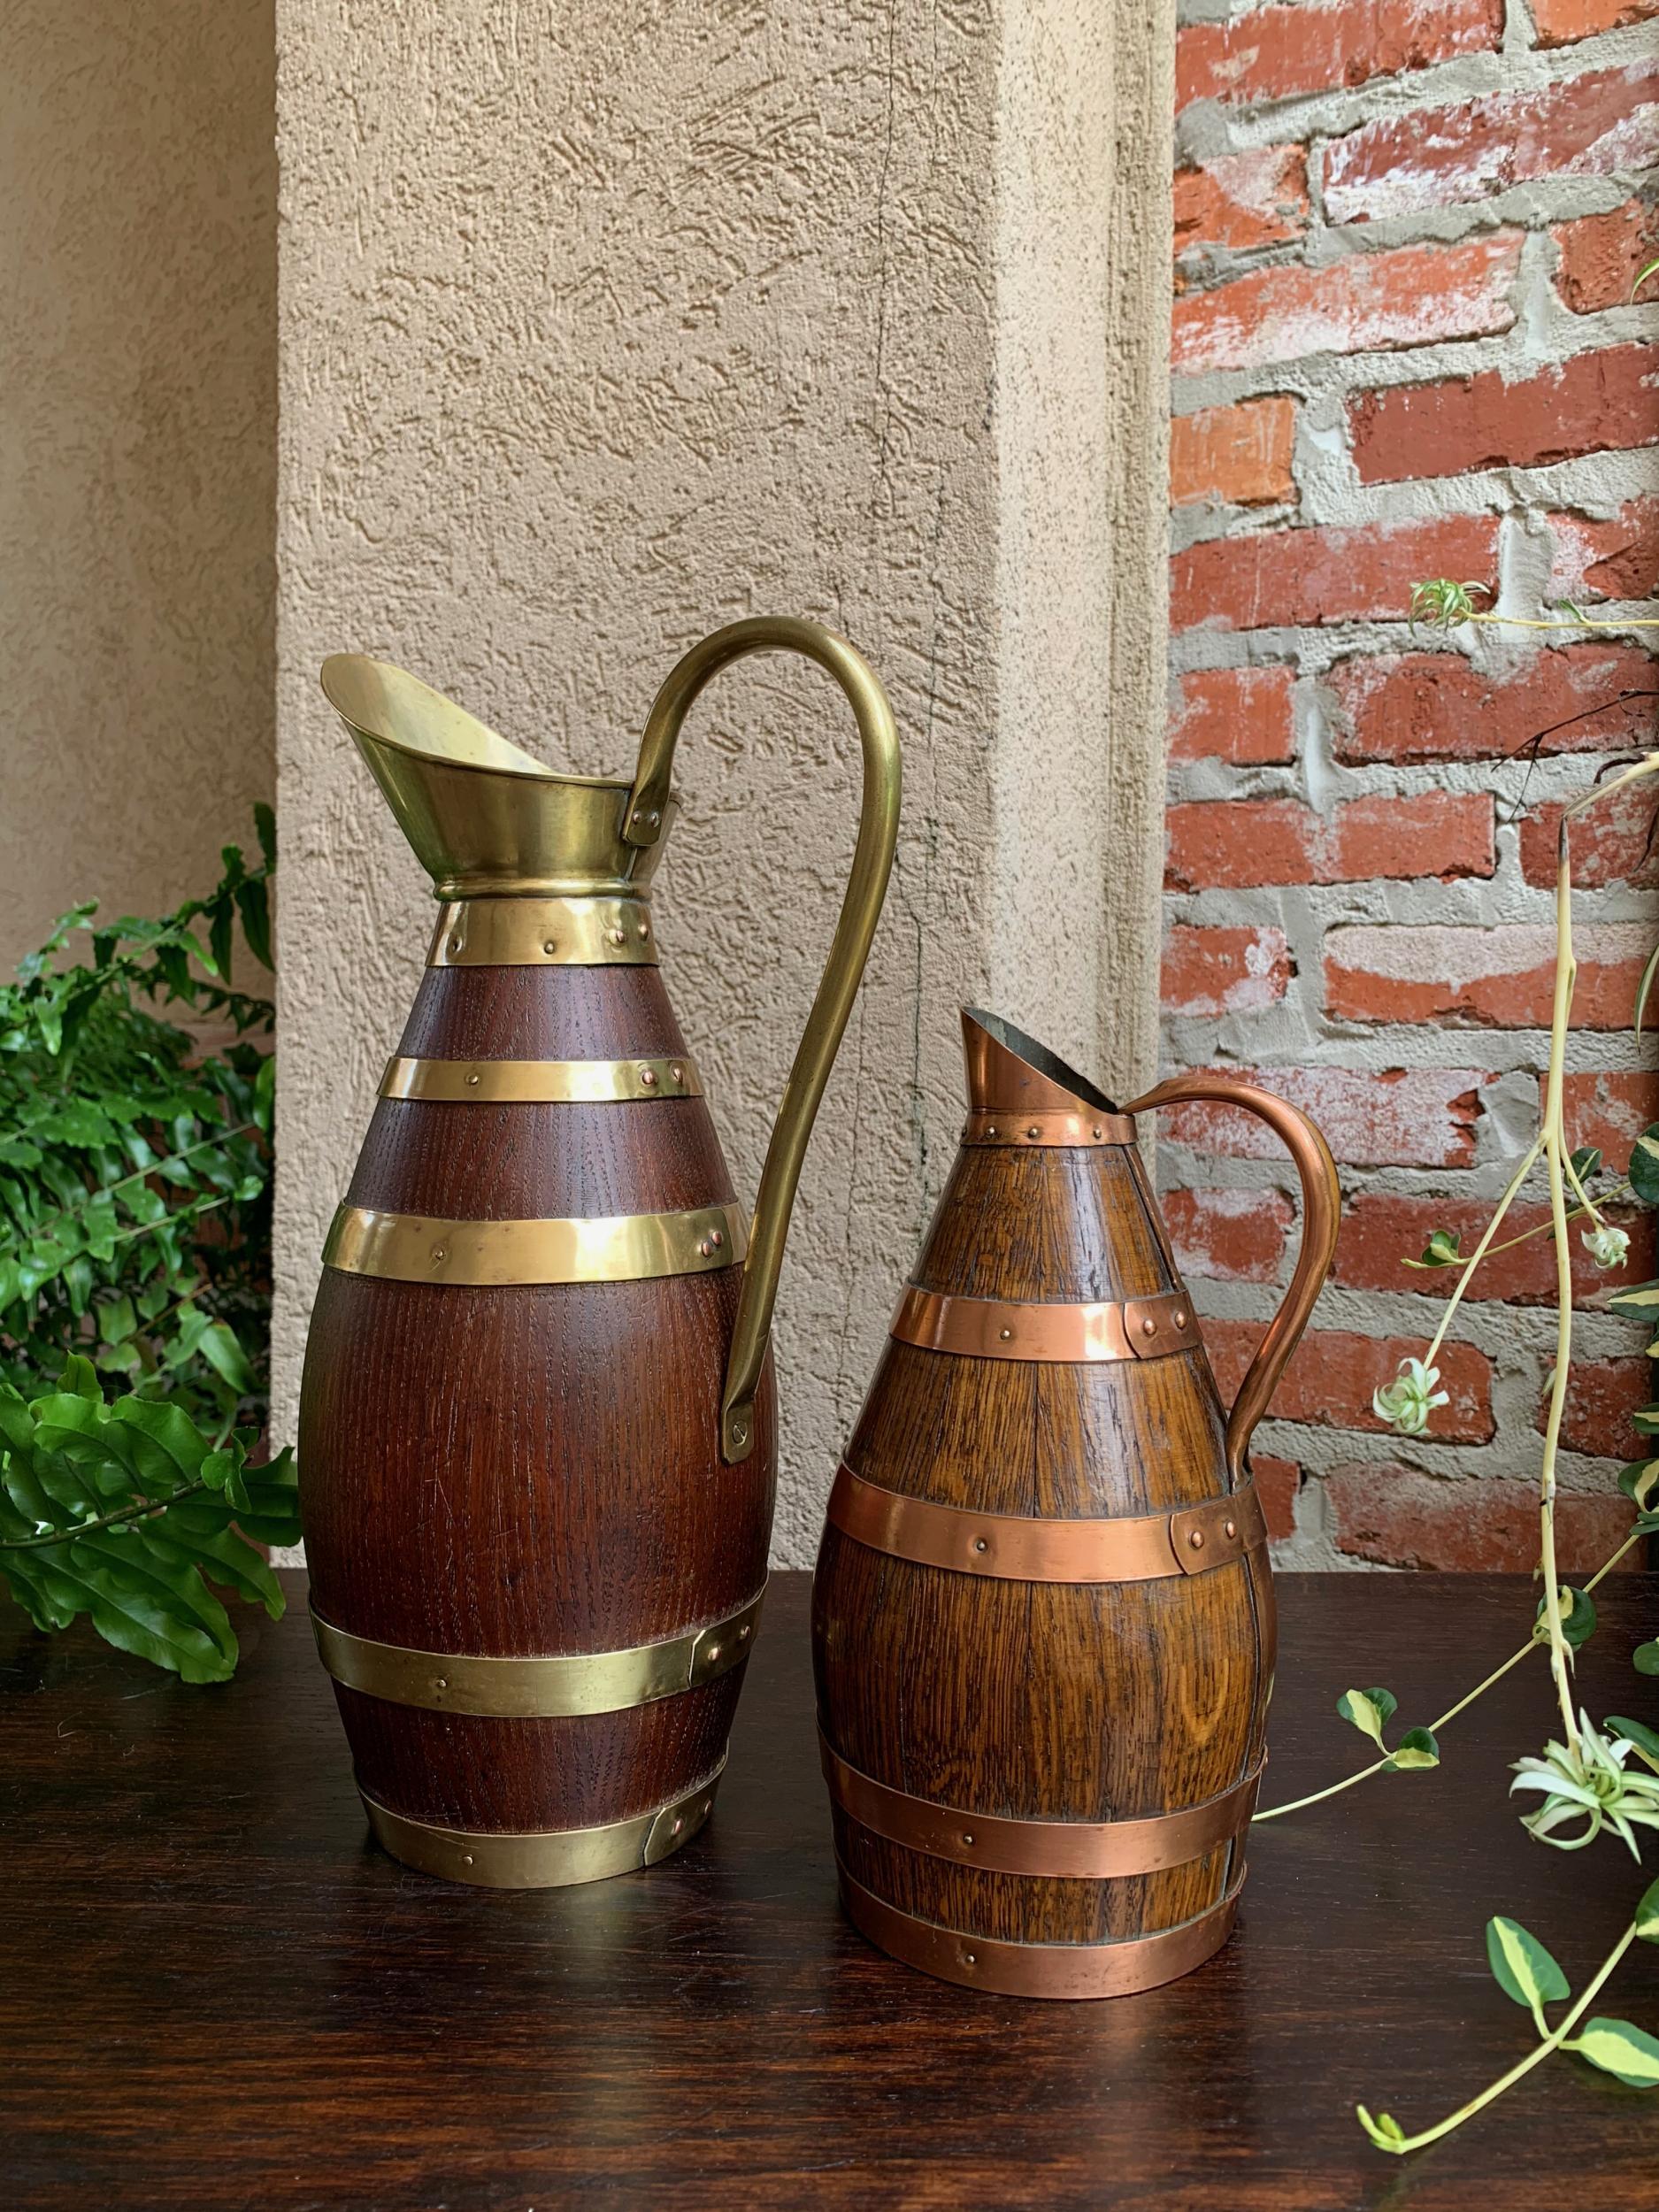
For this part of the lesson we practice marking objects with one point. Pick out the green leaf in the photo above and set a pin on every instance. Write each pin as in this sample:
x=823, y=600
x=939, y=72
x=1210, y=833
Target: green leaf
x=1637, y=1479
x=1644, y=1165
x=1639, y=1302
x=1645, y=1420
x=1630, y=2054
x=80, y=1379
x=1645, y=1658
x=254, y=907
x=1368, y=1710
x=1577, y=1616
x=1442, y=1250
x=1415, y=1748
x=1638, y=1732
x=1587, y=1162
x=1523, y=1969
x=1385, y=2130
x=264, y=825
x=219, y=1347
x=1647, y=1913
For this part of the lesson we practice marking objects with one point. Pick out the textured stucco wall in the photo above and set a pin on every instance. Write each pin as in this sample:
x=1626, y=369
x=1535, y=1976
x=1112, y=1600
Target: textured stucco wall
x=137, y=449
x=602, y=328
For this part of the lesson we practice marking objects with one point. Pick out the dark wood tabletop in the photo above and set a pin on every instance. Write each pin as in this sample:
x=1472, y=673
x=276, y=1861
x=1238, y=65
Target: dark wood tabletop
x=215, y=1992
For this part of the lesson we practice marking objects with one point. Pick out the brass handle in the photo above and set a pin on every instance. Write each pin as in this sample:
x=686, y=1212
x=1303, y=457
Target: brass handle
x=1321, y=1218
x=866, y=886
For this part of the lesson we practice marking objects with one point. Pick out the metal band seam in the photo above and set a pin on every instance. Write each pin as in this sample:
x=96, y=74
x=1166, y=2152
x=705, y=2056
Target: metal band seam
x=1021, y=1548
x=545, y=1687
x=1063, y=1850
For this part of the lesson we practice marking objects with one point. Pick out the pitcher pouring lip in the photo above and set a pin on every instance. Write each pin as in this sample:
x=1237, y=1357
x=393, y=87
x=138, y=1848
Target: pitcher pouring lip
x=485, y=819
x=1009, y=1072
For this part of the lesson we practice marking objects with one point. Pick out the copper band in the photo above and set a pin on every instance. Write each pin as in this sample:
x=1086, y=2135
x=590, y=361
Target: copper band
x=991, y=1126
x=1068, y=1849
x=997, y=1328
x=1040, y=1970
x=1122, y=1548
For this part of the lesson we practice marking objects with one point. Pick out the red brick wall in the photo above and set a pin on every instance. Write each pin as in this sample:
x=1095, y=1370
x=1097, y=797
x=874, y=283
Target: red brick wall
x=1406, y=232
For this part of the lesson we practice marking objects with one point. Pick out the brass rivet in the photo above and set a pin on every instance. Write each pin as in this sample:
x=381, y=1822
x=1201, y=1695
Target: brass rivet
x=970, y=1958
x=968, y=1839
x=438, y=1253
x=443, y=1682
x=619, y=936
x=455, y=944
x=1196, y=1539
x=741, y=1633
x=473, y=1077
x=678, y=1074
x=647, y=1078
x=714, y=1652
x=656, y=818
x=678, y=1823
x=645, y=929
x=1005, y=1334
x=1035, y=1130
x=1181, y=1318
x=548, y=945
x=1231, y=1529
x=739, y=1434
x=1148, y=1327
x=979, y=1544
x=466, y=1858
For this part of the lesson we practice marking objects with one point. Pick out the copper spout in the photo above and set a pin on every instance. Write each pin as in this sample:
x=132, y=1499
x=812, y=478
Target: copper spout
x=1009, y=1072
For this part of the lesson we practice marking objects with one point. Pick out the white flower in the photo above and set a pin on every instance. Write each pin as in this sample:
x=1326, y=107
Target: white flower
x=1407, y=1402
x=1590, y=1785
x=1607, y=1247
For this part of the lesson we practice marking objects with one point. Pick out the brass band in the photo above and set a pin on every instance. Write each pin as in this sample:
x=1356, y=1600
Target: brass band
x=607, y=1248
x=526, y=933
x=1068, y=1849
x=994, y=1125
x=542, y=1082
x=543, y=1858
x=1140, y=1547
x=555, y=1686
x=1040, y=1970
x=997, y=1328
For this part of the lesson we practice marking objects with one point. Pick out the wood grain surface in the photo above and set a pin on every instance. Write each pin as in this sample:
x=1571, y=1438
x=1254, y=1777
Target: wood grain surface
x=1093, y=1701
x=533, y=1469
x=217, y=1996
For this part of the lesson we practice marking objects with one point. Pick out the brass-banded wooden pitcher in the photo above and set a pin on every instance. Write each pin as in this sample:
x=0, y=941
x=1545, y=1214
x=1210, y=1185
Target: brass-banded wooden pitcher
x=1042, y=1618
x=537, y=1419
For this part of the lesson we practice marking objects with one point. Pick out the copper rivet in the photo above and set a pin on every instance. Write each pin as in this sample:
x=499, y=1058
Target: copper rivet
x=1148, y=1327
x=1097, y=1134
x=1005, y=1334
x=1230, y=1528
x=678, y=1823
x=705, y=1248
x=715, y=1238
x=968, y=1839
x=548, y=947
x=990, y=1133
x=677, y=1074
x=1180, y=1319
x=970, y=1958
x=1196, y=1539
x=647, y=1078
x=1034, y=1130
x=473, y=1077
x=979, y=1543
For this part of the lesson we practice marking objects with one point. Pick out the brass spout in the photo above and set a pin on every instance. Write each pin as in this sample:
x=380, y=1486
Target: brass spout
x=1009, y=1072
x=484, y=818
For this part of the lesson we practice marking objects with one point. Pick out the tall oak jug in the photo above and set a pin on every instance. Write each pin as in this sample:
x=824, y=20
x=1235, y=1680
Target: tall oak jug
x=537, y=1420
x=1042, y=1618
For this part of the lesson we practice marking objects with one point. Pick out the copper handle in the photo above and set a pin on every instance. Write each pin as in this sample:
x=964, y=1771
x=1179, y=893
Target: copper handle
x=1321, y=1217
x=866, y=886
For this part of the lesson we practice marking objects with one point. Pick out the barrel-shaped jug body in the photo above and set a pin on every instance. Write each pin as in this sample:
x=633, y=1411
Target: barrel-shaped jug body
x=1043, y=1620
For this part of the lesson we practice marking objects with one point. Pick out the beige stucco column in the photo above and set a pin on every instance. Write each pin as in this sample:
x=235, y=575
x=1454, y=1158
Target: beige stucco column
x=605, y=325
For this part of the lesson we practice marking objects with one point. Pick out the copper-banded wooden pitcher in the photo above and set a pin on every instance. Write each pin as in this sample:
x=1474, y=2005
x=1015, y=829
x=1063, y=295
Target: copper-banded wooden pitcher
x=1042, y=1618
x=537, y=1420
